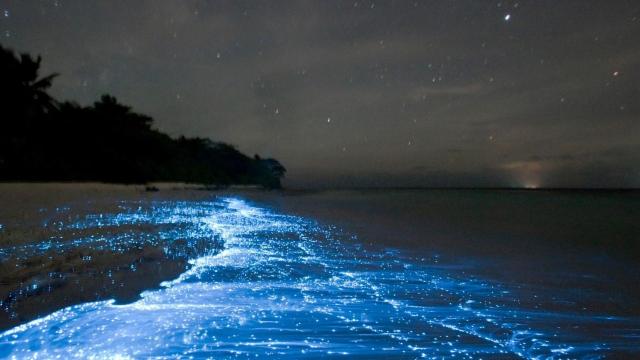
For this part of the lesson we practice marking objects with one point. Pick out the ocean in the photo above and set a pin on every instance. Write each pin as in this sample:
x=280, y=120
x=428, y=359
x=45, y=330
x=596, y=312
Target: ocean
x=102, y=271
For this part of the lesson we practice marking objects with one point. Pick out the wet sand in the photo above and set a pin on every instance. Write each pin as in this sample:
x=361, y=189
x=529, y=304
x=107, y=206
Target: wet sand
x=63, y=244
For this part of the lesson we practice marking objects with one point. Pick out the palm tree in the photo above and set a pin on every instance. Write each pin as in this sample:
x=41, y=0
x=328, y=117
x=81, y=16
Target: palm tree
x=23, y=103
x=22, y=91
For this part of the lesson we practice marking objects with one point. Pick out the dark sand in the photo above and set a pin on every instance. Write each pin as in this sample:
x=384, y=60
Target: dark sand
x=35, y=281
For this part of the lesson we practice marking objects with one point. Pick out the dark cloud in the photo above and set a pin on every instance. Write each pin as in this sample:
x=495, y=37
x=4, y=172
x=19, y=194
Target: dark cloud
x=364, y=92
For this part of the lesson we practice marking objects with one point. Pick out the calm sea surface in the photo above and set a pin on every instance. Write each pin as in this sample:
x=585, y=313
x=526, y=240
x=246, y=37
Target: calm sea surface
x=338, y=274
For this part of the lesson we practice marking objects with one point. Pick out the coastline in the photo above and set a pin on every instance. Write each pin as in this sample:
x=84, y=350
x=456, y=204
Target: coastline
x=458, y=223
x=63, y=244
x=319, y=268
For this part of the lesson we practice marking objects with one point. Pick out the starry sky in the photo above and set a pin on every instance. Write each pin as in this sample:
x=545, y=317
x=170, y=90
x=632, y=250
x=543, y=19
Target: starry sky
x=541, y=93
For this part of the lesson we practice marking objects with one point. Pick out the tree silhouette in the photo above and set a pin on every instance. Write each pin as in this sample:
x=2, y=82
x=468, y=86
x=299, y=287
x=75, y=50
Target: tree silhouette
x=46, y=140
x=21, y=89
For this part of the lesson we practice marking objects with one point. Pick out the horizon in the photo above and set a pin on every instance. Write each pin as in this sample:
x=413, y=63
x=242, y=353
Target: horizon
x=178, y=185
x=365, y=93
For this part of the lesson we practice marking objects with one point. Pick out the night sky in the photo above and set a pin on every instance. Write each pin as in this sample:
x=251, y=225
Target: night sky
x=366, y=93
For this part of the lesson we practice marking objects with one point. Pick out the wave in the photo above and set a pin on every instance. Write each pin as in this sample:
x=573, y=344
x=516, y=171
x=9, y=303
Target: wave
x=286, y=286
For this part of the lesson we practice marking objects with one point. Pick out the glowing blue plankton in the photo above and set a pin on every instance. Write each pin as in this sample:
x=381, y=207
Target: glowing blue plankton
x=286, y=287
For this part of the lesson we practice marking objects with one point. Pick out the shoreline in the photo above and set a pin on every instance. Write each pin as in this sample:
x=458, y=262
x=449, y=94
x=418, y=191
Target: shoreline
x=78, y=211
x=66, y=244
x=37, y=286
x=280, y=268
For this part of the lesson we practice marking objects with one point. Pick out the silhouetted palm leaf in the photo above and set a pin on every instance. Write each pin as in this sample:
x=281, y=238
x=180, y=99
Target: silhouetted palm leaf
x=45, y=82
x=22, y=89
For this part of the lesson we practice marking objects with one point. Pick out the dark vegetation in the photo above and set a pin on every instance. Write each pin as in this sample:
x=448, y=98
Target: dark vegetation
x=42, y=139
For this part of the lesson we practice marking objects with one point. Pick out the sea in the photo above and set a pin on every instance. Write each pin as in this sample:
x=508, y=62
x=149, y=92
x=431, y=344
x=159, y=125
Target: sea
x=95, y=271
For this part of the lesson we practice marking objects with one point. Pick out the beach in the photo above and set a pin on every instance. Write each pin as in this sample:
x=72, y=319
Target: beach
x=118, y=271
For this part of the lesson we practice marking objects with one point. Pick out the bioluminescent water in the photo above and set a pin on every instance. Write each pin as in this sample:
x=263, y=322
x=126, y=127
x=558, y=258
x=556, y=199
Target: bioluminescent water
x=271, y=284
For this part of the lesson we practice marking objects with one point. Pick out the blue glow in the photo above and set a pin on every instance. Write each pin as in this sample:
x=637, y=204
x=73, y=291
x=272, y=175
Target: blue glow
x=285, y=286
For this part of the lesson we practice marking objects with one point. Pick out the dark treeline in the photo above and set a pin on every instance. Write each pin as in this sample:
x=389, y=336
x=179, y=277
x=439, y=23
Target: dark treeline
x=42, y=139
